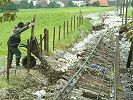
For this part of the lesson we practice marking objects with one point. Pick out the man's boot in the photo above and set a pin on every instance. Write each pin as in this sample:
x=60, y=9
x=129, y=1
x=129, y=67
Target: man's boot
x=17, y=62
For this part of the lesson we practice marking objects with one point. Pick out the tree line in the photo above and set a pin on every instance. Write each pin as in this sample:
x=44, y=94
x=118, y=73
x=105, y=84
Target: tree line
x=24, y=4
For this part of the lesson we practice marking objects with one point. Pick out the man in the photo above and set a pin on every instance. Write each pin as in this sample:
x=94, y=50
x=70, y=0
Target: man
x=15, y=39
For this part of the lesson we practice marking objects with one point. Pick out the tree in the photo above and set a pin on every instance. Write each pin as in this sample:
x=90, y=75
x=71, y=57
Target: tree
x=53, y=5
x=69, y=4
x=132, y=3
x=31, y=4
x=41, y=4
x=24, y=4
x=4, y=2
x=6, y=16
x=10, y=7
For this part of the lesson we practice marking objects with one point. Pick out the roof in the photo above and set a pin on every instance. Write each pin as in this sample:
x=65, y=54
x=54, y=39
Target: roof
x=13, y=0
x=102, y=2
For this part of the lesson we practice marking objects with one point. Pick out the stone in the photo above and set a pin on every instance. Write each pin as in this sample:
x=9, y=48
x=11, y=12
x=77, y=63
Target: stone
x=40, y=94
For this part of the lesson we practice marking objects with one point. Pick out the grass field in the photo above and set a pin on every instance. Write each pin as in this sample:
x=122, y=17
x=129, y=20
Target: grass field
x=130, y=10
x=45, y=18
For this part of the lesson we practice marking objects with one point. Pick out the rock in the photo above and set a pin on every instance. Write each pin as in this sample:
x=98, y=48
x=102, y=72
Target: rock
x=73, y=98
x=3, y=93
x=90, y=95
x=40, y=94
x=61, y=60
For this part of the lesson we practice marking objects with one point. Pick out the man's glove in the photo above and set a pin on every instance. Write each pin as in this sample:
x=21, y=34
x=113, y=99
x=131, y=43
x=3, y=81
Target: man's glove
x=28, y=23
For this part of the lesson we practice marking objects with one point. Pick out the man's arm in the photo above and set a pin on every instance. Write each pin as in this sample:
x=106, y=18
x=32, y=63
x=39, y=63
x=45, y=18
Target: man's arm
x=26, y=26
x=20, y=30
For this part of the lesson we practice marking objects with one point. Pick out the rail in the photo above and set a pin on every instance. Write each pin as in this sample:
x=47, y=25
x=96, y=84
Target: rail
x=66, y=90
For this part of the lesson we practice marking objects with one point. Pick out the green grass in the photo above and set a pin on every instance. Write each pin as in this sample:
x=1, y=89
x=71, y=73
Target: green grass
x=45, y=18
x=130, y=10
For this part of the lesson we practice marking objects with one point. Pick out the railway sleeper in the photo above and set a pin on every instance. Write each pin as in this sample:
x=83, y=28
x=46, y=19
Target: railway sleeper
x=93, y=89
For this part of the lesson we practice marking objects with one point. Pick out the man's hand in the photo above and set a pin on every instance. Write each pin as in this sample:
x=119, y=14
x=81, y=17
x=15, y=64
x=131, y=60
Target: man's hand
x=31, y=24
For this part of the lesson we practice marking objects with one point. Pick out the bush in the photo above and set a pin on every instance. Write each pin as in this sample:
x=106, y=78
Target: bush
x=69, y=4
x=53, y=5
x=10, y=7
x=25, y=5
x=132, y=3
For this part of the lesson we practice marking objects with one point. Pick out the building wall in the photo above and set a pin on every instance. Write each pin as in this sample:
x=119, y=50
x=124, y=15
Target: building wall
x=102, y=2
x=79, y=3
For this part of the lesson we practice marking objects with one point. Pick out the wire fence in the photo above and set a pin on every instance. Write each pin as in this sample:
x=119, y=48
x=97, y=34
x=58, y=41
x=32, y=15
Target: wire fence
x=41, y=43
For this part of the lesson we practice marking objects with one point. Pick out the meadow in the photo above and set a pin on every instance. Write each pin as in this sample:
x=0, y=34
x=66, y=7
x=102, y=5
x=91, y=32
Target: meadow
x=46, y=18
x=130, y=10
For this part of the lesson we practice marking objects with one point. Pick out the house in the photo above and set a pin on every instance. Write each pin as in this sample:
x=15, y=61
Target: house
x=34, y=1
x=98, y=2
x=39, y=1
x=13, y=1
x=79, y=2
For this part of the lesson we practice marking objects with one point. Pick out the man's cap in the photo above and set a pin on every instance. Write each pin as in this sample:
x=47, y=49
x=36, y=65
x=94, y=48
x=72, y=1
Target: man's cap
x=20, y=24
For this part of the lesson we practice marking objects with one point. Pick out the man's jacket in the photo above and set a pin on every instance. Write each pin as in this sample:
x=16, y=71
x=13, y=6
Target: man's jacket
x=15, y=39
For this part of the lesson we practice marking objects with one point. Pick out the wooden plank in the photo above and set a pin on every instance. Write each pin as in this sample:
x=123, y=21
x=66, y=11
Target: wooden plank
x=130, y=56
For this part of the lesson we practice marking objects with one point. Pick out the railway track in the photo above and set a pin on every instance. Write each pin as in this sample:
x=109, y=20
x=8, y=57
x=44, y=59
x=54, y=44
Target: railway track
x=94, y=78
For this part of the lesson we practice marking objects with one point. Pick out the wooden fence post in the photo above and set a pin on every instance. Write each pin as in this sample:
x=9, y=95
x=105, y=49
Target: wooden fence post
x=123, y=10
x=71, y=23
x=28, y=54
x=47, y=41
x=8, y=64
x=64, y=29
x=132, y=15
x=54, y=39
x=45, y=32
x=82, y=20
x=126, y=12
x=74, y=22
x=59, y=32
x=67, y=26
x=41, y=43
x=77, y=22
